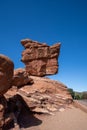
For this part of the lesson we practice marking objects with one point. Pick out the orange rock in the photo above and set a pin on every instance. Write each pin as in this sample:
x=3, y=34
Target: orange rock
x=45, y=95
x=40, y=59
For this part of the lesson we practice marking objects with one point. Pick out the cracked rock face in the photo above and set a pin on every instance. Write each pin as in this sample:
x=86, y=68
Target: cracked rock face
x=40, y=59
x=6, y=73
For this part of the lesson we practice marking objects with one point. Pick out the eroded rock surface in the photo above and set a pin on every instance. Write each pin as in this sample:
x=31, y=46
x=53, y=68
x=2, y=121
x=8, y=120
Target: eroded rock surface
x=3, y=105
x=21, y=78
x=44, y=95
x=26, y=88
x=6, y=73
x=40, y=59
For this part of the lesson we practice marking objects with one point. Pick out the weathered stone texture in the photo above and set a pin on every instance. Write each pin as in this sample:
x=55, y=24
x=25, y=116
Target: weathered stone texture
x=21, y=78
x=3, y=105
x=6, y=73
x=26, y=88
x=40, y=59
x=44, y=95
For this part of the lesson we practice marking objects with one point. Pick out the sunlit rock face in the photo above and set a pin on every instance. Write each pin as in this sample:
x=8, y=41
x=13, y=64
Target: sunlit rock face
x=40, y=59
x=43, y=95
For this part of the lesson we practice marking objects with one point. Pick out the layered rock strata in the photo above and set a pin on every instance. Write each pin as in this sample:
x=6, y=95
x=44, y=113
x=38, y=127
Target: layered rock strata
x=40, y=59
x=44, y=95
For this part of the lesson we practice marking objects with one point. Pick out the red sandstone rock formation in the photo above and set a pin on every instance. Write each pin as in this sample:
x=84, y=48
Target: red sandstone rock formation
x=41, y=95
x=3, y=105
x=6, y=73
x=40, y=59
x=21, y=78
x=44, y=95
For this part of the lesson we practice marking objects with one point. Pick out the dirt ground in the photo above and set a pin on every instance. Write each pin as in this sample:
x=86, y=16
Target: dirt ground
x=70, y=119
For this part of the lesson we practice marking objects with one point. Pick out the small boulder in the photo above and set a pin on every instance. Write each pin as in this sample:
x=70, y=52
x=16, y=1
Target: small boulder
x=21, y=78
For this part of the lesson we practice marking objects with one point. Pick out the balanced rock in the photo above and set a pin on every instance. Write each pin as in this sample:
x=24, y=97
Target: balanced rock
x=6, y=73
x=40, y=59
x=21, y=77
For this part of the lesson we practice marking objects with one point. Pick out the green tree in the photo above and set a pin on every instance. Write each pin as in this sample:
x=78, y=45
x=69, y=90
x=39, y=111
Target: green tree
x=77, y=97
x=71, y=92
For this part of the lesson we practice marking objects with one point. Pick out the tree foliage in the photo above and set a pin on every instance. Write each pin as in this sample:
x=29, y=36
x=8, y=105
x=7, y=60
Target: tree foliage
x=77, y=95
x=71, y=92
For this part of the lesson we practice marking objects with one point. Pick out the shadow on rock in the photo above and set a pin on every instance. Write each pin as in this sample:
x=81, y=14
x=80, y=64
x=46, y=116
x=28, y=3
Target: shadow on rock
x=25, y=119
x=28, y=119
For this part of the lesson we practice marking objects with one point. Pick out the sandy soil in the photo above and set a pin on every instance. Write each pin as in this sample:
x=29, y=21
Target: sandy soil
x=70, y=119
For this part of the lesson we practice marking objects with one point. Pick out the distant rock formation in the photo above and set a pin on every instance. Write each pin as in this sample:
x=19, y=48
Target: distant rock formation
x=40, y=59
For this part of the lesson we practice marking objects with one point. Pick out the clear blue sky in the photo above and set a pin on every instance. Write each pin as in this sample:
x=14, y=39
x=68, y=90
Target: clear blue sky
x=48, y=21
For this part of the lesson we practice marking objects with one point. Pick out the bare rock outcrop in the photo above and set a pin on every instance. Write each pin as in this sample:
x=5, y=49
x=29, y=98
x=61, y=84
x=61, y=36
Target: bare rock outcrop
x=6, y=73
x=44, y=95
x=3, y=105
x=40, y=59
x=21, y=78
x=27, y=88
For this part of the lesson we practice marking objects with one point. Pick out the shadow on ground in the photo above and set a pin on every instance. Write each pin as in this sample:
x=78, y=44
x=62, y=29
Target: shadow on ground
x=26, y=119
